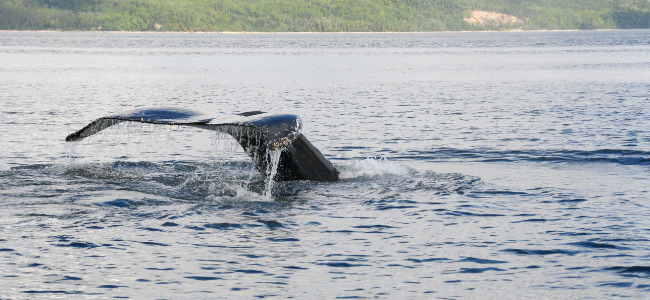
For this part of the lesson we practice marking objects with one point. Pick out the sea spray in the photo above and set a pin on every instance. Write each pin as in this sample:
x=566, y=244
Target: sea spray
x=225, y=149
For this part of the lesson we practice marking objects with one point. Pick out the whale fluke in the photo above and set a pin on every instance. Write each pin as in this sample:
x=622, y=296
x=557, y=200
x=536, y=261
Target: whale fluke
x=256, y=131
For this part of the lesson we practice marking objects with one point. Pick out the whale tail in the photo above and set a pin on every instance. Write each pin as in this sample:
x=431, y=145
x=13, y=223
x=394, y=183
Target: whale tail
x=257, y=132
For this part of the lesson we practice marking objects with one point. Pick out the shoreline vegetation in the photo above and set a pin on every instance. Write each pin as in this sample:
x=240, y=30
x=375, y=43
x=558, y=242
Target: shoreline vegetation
x=312, y=16
x=300, y=32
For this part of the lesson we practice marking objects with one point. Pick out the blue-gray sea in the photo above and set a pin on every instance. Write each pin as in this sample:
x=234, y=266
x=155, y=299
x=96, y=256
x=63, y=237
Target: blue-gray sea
x=494, y=165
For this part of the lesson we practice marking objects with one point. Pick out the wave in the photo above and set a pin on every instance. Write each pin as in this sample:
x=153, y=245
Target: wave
x=615, y=156
x=119, y=185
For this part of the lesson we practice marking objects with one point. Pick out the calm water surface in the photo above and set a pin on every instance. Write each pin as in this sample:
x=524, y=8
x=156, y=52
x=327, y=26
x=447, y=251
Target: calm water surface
x=493, y=165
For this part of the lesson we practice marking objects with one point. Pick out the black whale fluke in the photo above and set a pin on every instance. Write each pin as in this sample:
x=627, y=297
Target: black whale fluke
x=256, y=131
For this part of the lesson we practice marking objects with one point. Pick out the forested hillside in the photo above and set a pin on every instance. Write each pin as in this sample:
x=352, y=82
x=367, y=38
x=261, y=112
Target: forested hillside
x=321, y=15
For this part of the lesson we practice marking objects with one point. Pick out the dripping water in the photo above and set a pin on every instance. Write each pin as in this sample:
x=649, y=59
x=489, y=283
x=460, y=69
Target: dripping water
x=272, y=170
x=70, y=153
x=221, y=149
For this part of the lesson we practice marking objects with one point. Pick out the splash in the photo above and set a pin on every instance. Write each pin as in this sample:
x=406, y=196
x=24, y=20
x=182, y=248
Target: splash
x=371, y=167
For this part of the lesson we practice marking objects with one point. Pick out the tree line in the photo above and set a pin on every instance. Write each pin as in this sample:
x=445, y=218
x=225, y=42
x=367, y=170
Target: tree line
x=316, y=15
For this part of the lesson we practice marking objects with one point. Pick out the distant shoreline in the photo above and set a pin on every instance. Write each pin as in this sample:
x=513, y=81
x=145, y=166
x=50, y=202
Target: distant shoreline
x=309, y=32
x=325, y=16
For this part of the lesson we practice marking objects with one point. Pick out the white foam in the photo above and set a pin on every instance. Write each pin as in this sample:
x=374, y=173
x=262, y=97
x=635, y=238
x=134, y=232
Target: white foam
x=371, y=167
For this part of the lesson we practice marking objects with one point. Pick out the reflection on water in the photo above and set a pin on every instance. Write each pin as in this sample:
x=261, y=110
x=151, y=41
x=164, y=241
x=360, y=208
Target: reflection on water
x=472, y=165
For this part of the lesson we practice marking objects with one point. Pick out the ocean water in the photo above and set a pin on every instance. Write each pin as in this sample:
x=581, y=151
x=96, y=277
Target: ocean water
x=495, y=165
